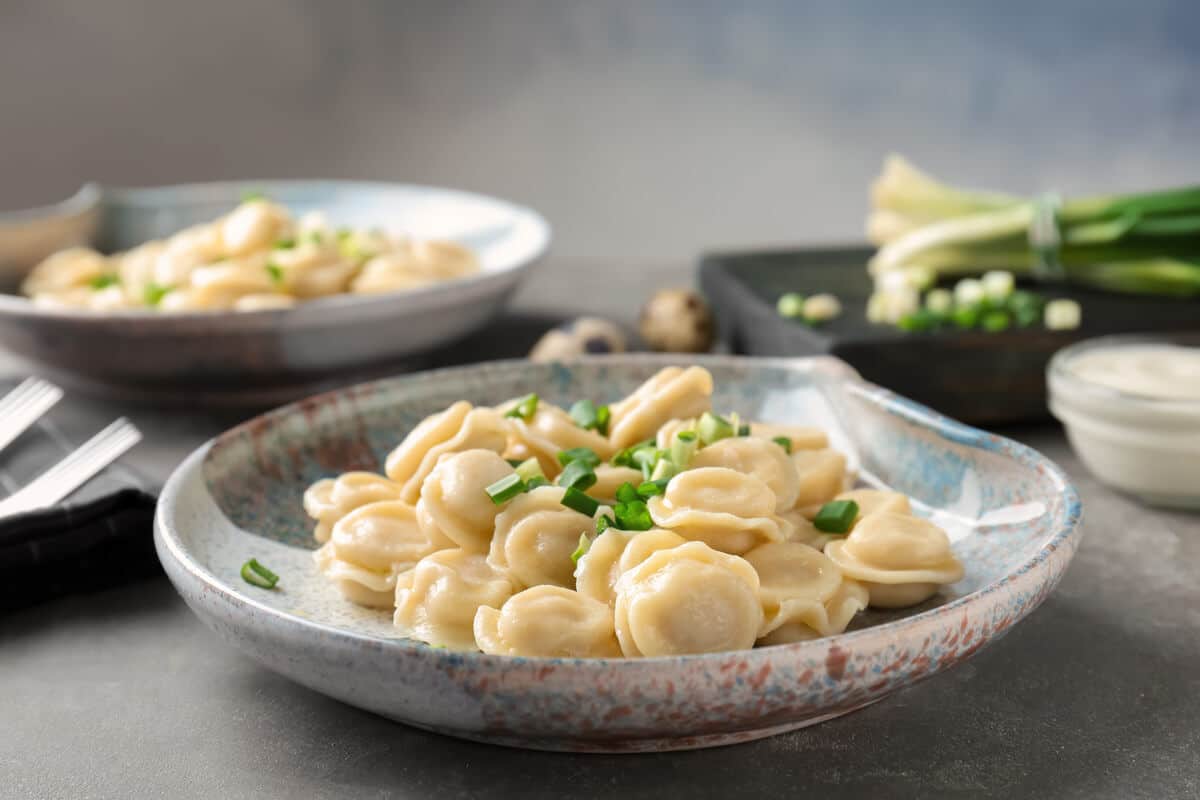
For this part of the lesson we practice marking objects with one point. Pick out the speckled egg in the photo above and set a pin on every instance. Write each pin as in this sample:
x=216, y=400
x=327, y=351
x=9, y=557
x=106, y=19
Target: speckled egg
x=582, y=336
x=677, y=321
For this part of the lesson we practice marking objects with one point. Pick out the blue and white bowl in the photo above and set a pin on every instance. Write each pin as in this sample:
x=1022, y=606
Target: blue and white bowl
x=1012, y=517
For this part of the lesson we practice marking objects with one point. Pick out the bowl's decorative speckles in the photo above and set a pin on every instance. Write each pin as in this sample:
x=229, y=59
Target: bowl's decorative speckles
x=1015, y=526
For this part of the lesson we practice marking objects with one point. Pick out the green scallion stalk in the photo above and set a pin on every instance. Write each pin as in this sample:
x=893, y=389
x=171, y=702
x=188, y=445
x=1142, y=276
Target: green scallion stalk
x=256, y=574
x=683, y=448
x=712, y=428
x=836, y=516
x=529, y=469
x=585, y=544
x=784, y=442
x=578, y=501
x=505, y=489
x=524, y=408
x=577, y=475
x=584, y=454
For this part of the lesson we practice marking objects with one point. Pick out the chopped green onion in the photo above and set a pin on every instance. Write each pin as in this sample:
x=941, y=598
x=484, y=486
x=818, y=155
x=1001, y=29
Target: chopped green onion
x=286, y=243
x=577, y=475
x=968, y=292
x=791, y=305
x=530, y=469
x=515, y=462
x=154, y=293
x=647, y=459
x=316, y=237
x=603, y=523
x=536, y=482
x=683, y=448
x=966, y=317
x=664, y=469
x=588, y=416
x=251, y=195
x=784, y=442
x=525, y=408
x=836, y=516
x=712, y=428
x=918, y=321
x=994, y=321
x=652, y=488
x=585, y=544
x=603, y=417
x=275, y=271
x=998, y=284
x=633, y=516
x=627, y=494
x=940, y=302
x=578, y=501
x=1027, y=317
x=506, y=489
x=104, y=281
x=585, y=454
x=625, y=457
x=743, y=430
x=1063, y=315
x=256, y=574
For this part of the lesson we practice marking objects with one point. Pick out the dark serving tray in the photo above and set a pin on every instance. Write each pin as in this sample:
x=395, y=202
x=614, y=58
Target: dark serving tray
x=970, y=375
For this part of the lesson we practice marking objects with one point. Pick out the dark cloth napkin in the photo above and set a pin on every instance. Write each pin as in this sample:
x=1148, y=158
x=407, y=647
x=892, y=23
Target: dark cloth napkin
x=100, y=536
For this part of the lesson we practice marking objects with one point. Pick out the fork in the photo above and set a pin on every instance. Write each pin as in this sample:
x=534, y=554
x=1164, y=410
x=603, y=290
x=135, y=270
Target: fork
x=24, y=406
x=73, y=471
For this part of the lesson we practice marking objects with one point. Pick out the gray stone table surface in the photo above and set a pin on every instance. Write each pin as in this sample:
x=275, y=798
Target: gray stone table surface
x=124, y=694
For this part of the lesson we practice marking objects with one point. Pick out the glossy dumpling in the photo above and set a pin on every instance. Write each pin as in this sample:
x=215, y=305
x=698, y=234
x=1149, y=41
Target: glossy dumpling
x=871, y=501
x=900, y=558
x=535, y=536
x=762, y=458
x=550, y=622
x=839, y=610
x=728, y=510
x=330, y=499
x=802, y=437
x=804, y=532
x=455, y=505
x=437, y=599
x=821, y=475
x=795, y=581
x=614, y=552
x=609, y=479
x=688, y=599
x=460, y=427
x=371, y=545
x=550, y=431
x=673, y=393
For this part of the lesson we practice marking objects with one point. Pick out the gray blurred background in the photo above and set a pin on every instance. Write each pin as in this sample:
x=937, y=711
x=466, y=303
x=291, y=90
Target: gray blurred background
x=645, y=131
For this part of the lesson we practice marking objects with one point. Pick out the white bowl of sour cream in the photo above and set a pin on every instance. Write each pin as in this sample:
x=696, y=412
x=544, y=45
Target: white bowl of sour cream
x=1131, y=409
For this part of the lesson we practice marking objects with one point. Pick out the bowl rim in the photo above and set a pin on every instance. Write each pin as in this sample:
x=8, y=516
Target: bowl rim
x=1065, y=536
x=207, y=193
x=1059, y=374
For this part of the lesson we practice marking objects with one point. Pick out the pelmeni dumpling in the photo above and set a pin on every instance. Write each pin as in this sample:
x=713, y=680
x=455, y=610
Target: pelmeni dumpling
x=871, y=501
x=821, y=475
x=609, y=479
x=762, y=458
x=728, y=510
x=850, y=598
x=550, y=431
x=804, y=532
x=614, y=552
x=550, y=622
x=688, y=599
x=369, y=547
x=535, y=536
x=801, y=437
x=795, y=581
x=460, y=427
x=437, y=599
x=73, y=268
x=673, y=393
x=454, y=502
x=328, y=500
x=900, y=558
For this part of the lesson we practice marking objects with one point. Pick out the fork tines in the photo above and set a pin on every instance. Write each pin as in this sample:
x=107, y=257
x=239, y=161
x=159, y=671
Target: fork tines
x=24, y=406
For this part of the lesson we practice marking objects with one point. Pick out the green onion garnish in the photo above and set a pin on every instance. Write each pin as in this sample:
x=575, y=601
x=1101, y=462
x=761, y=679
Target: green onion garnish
x=784, y=442
x=646, y=459
x=153, y=293
x=286, y=243
x=256, y=574
x=506, y=489
x=250, y=195
x=625, y=457
x=104, y=281
x=743, y=430
x=683, y=448
x=515, y=462
x=577, y=475
x=633, y=516
x=627, y=494
x=584, y=545
x=790, y=305
x=966, y=317
x=585, y=454
x=712, y=428
x=275, y=271
x=994, y=321
x=578, y=501
x=663, y=470
x=315, y=237
x=536, y=482
x=583, y=413
x=525, y=408
x=836, y=516
x=530, y=469
x=603, y=523
x=652, y=488
x=603, y=417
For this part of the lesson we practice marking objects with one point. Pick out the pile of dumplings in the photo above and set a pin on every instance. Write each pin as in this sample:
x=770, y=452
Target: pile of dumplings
x=256, y=257
x=731, y=558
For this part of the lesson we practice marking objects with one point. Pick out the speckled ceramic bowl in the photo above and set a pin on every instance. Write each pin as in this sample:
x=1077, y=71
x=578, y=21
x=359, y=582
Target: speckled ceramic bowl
x=1011, y=514
x=262, y=355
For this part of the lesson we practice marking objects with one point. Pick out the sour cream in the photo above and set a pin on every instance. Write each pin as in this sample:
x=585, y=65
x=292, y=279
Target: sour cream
x=1131, y=410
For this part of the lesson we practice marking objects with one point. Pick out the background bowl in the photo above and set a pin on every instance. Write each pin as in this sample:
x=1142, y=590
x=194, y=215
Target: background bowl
x=259, y=354
x=1010, y=513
